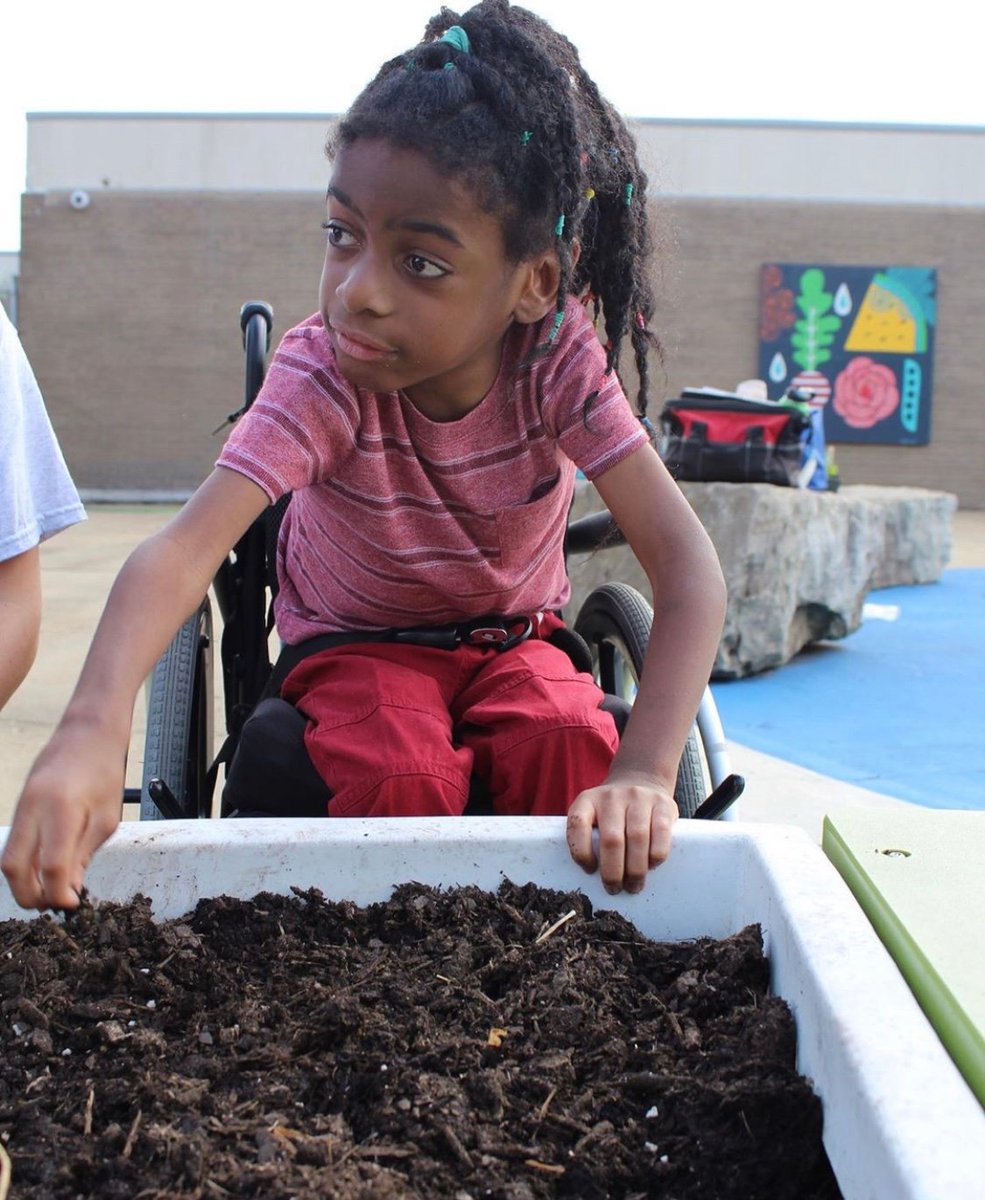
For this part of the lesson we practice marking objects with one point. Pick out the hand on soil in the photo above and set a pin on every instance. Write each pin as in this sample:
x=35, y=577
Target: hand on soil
x=69, y=806
x=634, y=822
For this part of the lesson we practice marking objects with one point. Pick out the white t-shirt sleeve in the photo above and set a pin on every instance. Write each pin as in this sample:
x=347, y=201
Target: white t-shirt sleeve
x=37, y=495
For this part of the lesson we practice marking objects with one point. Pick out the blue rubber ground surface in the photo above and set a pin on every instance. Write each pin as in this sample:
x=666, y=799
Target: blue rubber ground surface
x=897, y=707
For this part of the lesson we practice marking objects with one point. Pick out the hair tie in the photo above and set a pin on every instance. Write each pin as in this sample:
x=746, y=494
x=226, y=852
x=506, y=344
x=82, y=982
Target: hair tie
x=648, y=426
x=457, y=37
x=640, y=321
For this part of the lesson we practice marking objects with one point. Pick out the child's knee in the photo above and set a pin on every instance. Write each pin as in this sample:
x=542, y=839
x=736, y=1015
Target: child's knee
x=428, y=790
x=544, y=771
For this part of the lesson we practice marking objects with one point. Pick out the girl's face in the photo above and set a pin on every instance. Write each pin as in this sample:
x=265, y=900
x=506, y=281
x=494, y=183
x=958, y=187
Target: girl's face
x=416, y=291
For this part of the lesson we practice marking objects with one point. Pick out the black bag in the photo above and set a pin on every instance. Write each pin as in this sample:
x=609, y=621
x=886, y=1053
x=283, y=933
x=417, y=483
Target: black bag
x=711, y=435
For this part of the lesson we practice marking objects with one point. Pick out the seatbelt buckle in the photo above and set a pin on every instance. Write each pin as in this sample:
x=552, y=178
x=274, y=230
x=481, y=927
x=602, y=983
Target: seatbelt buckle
x=504, y=636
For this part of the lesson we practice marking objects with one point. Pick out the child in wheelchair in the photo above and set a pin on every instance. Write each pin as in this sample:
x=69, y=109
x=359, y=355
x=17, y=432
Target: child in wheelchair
x=486, y=210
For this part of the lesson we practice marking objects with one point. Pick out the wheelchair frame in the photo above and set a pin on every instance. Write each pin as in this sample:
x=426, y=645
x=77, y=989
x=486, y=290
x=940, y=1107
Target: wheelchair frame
x=180, y=771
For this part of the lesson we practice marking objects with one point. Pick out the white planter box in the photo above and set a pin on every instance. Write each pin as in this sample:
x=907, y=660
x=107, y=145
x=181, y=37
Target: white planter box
x=899, y=1121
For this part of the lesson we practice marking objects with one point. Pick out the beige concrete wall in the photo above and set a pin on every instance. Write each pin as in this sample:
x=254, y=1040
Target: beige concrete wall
x=100, y=152
x=176, y=152
x=129, y=310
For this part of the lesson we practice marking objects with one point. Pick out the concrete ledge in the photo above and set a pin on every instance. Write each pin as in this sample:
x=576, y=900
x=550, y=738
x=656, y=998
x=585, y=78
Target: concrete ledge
x=798, y=564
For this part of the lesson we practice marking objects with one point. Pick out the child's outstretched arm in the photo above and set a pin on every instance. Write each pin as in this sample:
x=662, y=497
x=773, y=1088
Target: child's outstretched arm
x=634, y=809
x=72, y=799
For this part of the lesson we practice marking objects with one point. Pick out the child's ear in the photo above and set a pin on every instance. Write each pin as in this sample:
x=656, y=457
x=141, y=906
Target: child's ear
x=541, y=279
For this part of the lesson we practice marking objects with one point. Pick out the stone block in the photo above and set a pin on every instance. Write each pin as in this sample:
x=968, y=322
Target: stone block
x=798, y=564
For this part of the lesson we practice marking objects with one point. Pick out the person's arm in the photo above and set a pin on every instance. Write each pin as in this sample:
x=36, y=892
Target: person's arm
x=634, y=809
x=20, y=618
x=72, y=799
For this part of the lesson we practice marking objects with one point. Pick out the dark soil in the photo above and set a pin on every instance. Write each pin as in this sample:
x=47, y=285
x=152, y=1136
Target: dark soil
x=444, y=1044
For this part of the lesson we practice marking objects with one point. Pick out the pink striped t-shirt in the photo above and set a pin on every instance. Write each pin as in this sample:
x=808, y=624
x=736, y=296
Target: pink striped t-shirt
x=398, y=520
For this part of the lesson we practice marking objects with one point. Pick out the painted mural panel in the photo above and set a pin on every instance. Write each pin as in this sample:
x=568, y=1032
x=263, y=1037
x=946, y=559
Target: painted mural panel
x=860, y=338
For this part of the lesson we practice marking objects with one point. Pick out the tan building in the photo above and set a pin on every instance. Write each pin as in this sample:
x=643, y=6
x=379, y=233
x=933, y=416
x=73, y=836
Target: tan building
x=143, y=235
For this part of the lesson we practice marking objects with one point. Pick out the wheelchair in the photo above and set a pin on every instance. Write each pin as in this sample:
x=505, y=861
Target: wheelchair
x=181, y=770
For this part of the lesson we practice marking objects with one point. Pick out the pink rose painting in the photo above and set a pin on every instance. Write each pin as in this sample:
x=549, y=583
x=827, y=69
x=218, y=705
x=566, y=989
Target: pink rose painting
x=866, y=393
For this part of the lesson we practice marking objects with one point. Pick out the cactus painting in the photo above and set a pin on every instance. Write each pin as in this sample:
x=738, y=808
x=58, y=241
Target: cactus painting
x=860, y=339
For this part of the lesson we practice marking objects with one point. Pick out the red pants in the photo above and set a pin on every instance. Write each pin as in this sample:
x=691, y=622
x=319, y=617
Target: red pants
x=398, y=730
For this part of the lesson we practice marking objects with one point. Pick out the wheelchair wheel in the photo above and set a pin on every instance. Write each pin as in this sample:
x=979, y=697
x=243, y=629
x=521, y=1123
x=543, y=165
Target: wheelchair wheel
x=178, y=746
x=615, y=621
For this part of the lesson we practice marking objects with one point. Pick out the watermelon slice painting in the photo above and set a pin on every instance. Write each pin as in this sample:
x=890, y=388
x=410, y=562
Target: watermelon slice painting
x=893, y=317
x=859, y=336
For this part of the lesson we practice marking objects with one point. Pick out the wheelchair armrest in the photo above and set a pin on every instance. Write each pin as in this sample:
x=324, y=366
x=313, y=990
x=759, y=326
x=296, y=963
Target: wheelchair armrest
x=594, y=532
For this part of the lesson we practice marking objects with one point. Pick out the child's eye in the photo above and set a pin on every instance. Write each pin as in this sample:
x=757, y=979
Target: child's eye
x=424, y=268
x=338, y=235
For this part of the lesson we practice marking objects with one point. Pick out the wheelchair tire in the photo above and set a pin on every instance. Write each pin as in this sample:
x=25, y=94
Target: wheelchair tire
x=615, y=622
x=178, y=744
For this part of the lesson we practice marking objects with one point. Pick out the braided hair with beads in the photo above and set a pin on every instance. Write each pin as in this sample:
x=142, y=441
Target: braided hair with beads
x=499, y=99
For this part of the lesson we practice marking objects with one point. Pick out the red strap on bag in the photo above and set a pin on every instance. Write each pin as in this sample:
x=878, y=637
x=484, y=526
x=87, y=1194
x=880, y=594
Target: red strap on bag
x=733, y=426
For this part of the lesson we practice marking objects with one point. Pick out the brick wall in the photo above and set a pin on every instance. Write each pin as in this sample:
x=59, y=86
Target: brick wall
x=129, y=312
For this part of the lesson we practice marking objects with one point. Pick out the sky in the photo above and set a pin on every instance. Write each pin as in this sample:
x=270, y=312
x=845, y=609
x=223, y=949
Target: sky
x=840, y=60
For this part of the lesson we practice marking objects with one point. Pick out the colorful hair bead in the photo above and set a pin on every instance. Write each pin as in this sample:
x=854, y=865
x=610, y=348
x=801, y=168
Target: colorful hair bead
x=629, y=194
x=456, y=36
x=559, y=227
x=526, y=136
x=556, y=327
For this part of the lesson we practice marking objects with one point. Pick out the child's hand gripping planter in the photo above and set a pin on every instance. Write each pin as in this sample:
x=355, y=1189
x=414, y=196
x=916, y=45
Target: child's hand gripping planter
x=485, y=210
